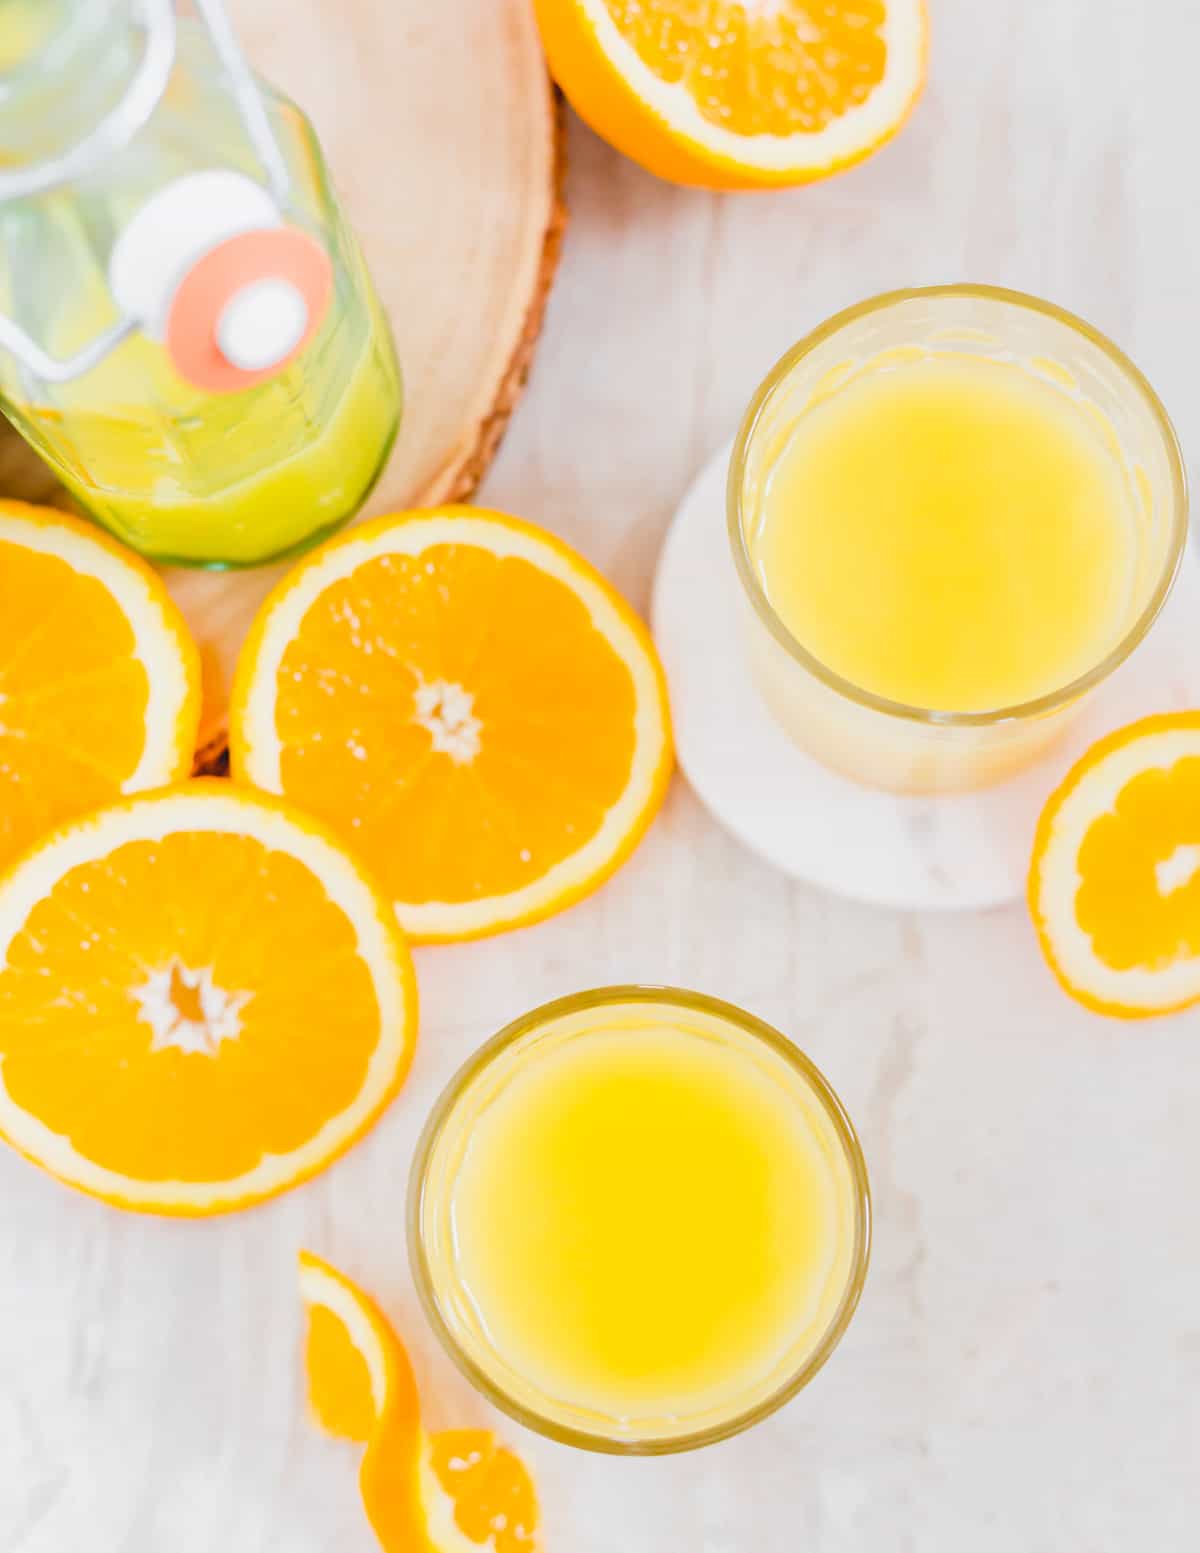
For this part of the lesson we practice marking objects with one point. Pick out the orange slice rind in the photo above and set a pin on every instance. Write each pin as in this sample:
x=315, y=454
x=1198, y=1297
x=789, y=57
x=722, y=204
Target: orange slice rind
x=469, y=704
x=99, y=678
x=739, y=93
x=361, y=1387
x=203, y=1001
x=457, y=1491
x=1114, y=886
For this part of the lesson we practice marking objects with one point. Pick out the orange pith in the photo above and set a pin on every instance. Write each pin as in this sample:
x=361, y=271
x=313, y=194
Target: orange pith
x=413, y=635
x=186, y=1013
x=494, y=1500
x=361, y=1387
x=76, y=675
x=761, y=69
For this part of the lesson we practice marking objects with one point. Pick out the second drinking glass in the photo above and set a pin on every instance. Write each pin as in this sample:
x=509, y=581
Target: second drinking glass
x=953, y=513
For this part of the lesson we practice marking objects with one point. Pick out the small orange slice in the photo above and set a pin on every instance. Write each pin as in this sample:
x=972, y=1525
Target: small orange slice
x=1114, y=887
x=203, y=1001
x=487, y=1498
x=735, y=94
x=469, y=704
x=99, y=679
x=454, y=1492
x=361, y=1387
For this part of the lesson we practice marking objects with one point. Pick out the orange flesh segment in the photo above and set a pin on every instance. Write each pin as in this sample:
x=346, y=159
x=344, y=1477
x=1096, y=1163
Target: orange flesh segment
x=73, y=696
x=389, y=1478
x=494, y=1500
x=72, y=1029
x=1131, y=922
x=781, y=68
x=339, y=1383
x=553, y=703
x=390, y=1475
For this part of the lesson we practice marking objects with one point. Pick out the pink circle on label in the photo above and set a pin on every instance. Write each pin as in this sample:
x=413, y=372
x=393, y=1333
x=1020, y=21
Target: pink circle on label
x=273, y=253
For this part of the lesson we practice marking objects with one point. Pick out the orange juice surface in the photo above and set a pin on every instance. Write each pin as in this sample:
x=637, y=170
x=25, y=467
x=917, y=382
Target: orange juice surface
x=956, y=534
x=652, y=1219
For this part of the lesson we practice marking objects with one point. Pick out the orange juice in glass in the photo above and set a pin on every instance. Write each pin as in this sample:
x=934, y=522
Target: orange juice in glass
x=639, y=1220
x=953, y=512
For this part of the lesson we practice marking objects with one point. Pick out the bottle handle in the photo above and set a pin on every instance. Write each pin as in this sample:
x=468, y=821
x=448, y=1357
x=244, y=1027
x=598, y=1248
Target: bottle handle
x=117, y=129
x=56, y=369
x=247, y=96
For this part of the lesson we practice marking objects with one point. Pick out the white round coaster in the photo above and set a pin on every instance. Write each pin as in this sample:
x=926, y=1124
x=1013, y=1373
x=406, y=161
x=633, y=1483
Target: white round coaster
x=956, y=852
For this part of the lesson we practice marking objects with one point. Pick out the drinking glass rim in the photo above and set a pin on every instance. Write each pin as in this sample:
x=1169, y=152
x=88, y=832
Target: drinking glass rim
x=831, y=1105
x=1049, y=701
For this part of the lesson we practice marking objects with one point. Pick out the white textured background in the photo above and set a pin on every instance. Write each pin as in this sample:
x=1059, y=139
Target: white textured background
x=1024, y=1373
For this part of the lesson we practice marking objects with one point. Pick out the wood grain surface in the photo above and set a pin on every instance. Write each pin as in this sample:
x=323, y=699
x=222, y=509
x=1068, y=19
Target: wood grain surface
x=1024, y=1373
x=441, y=129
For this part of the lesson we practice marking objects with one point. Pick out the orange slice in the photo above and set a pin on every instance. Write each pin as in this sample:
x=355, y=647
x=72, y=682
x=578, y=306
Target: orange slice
x=455, y=1492
x=99, y=679
x=469, y=704
x=203, y=1001
x=1115, y=883
x=734, y=94
x=478, y=1494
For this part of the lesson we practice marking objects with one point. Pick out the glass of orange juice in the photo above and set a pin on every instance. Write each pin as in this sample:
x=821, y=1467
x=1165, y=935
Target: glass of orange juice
x=953, y=513
x=639, y=1220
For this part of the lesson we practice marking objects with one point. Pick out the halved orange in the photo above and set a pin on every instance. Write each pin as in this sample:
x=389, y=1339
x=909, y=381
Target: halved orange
x=469, y=704
x=1114, y=886
x=734, y=94
x=203, y=1001
x=454, y=1492
x=99, y=678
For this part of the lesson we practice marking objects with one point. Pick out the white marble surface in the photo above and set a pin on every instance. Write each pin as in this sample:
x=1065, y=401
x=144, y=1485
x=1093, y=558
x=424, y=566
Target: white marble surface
x=1024, y=1373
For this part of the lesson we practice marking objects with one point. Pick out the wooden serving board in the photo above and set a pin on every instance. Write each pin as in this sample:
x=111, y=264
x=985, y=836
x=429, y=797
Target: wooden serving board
x=441, y=127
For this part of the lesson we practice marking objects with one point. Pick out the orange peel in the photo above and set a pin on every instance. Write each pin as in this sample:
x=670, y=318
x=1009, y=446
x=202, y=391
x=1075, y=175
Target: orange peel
x=457, y=1491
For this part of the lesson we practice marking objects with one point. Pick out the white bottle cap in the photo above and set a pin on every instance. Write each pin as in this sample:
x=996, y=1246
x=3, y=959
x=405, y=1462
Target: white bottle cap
x=176, y=227
x=262, y=324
